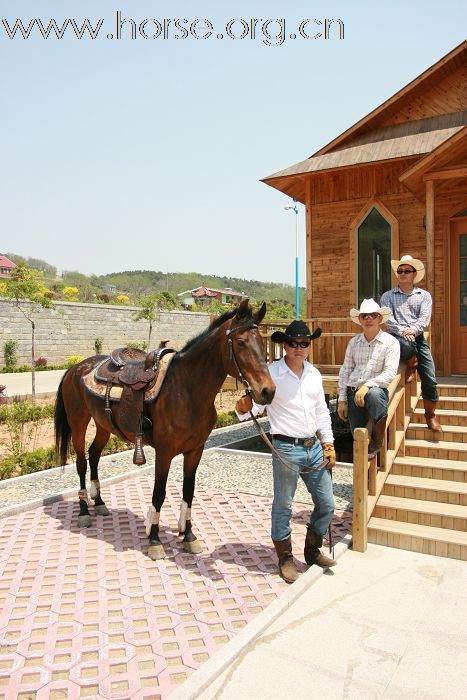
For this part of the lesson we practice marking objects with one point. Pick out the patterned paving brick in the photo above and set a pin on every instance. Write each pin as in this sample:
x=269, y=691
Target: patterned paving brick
x=86, y=613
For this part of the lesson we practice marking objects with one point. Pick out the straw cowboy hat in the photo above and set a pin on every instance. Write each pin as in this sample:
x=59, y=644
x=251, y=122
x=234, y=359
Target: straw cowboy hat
x=413, y=262
x=369, y=306
x=296, y=329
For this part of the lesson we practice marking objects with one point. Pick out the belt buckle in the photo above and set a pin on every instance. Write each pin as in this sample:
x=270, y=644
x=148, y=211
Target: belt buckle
x=309, y=442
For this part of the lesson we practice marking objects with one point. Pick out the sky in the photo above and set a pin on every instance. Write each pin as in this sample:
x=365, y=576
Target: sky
x=121, y=153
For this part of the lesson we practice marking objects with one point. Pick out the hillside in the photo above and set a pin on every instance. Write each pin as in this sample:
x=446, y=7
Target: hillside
x=138, y=283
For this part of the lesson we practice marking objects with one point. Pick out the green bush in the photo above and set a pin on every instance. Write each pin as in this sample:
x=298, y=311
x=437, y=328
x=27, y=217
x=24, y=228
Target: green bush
x=98, y=345
x=229, y=418
x=37, y=460
x=8, y=467
x=9, y=354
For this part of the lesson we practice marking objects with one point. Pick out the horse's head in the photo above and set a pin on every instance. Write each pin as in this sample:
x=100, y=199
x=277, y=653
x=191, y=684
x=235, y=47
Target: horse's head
x=246, y=356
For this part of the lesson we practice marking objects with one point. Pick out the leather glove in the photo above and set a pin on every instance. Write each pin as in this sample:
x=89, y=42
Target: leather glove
x=244, y=405
x=360, y=395
x=329, y=454
x=342, y=411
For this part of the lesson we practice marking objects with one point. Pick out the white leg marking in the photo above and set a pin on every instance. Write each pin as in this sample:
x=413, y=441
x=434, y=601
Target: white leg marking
x=95, y=487
x=185, y=514
x=152, y=518
x=83, y=496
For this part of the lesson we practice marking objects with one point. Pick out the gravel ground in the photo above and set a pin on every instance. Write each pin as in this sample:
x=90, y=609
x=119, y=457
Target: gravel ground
x=219, y=468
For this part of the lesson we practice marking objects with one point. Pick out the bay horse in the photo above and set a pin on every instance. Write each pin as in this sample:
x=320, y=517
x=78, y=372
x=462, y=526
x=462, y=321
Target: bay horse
x=182, y=416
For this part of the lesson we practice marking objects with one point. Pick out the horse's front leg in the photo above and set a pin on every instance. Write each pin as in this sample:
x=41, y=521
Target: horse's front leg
x=95, y=451
x=156, y=549
x=190, y=465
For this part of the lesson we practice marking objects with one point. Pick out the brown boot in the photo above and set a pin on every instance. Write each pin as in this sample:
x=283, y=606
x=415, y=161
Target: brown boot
x=311, y=552
x=411, y=369
x=377, y=437
x=431, y=420
x=287, y=568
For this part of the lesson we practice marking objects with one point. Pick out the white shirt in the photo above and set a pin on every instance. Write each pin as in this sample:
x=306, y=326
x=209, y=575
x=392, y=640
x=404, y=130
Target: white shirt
x=298, y=408
x=373, y=363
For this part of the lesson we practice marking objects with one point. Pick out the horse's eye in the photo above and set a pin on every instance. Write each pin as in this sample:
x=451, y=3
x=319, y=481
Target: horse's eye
x=241, y=343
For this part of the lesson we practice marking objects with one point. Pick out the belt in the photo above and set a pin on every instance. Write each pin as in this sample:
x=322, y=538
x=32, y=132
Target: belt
x=306, y=442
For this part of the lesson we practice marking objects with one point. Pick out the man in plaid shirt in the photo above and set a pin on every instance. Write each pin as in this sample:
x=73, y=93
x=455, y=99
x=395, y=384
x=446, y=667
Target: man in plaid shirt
x=370, y=364
x=411, y=313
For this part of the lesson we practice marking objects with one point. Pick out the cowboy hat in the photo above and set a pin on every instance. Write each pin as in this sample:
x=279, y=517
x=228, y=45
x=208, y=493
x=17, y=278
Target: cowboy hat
x=296, y=329
x=413, y=262
x=369, y=306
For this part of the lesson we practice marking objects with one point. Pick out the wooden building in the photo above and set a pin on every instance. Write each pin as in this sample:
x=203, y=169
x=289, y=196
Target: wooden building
x=395, y=183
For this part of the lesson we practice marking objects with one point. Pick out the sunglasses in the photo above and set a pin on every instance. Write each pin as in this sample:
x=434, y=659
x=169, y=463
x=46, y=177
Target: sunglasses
x=295, y=344
x=405, y=272
x=373, y=315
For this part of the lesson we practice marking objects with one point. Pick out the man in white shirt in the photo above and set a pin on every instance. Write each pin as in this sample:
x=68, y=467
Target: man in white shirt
x=370, y=364
x=296, y=415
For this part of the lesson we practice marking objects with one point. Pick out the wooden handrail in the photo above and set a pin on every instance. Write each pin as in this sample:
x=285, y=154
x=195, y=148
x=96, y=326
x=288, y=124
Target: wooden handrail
x=368, y=480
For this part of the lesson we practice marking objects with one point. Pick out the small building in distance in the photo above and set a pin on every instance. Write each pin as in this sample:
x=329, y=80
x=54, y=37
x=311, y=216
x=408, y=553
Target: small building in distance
x=204, y=295
x=6, y=266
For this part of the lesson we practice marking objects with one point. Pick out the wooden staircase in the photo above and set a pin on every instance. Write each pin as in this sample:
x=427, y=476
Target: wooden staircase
x=423, y=504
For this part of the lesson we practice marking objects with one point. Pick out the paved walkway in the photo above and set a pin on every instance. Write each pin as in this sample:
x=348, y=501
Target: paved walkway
x=388, y=624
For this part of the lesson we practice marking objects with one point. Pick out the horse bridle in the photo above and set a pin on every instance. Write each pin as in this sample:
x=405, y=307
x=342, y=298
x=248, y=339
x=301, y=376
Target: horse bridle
x=289, y=464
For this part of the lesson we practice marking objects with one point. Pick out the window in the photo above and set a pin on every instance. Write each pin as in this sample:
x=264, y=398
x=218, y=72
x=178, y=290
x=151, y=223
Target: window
x=373, y=256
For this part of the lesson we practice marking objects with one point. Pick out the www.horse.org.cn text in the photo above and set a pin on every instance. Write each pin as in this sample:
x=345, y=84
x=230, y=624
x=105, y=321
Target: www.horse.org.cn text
x=270, y=32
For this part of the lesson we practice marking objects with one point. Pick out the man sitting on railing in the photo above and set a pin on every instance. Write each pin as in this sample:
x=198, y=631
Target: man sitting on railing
x=370, y=364
x=411, y=313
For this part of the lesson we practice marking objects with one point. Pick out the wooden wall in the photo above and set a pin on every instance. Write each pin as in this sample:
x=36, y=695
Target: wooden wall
x=336, y=200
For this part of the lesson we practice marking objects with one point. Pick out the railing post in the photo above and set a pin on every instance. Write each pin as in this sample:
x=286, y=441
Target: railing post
x=360, y=490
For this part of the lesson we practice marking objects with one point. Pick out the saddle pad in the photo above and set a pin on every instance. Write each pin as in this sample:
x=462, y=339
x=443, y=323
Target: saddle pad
x=98, y=388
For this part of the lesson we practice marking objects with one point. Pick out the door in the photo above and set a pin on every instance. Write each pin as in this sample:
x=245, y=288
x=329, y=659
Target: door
x=459, y=296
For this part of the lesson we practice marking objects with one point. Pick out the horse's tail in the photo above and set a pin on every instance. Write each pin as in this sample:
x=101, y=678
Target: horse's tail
x=62, y=428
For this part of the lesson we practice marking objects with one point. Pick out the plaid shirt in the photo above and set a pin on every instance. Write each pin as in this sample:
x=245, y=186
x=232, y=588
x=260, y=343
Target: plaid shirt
x=412, y=310
x=373, y=363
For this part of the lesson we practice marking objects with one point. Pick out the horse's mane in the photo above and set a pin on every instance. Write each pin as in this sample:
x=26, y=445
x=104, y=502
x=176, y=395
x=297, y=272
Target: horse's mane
x=207, y=333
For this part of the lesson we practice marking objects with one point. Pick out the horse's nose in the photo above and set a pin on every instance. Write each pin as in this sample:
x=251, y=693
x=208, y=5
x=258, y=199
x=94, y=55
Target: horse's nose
x=268, y=394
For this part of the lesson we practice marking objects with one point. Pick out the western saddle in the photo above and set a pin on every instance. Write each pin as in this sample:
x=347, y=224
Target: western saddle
x=134, y=371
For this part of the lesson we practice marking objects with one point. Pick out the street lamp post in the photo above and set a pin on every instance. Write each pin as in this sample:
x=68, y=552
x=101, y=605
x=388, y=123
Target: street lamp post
x=293, y=207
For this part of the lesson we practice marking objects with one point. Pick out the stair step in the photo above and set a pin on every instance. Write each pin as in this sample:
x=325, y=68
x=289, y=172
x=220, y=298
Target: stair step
x=452, y=390
x=450, y=469
x=435, y=449
x=454, y=492
x=447, y=417
x=455, y=403
x=451, y=433
x=418, y=538
x=415, y=505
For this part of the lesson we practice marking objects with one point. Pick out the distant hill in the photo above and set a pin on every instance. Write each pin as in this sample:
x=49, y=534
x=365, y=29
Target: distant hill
x=139, y=283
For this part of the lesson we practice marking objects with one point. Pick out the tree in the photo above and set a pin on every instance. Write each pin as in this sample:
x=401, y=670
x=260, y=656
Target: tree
x=150, y=308
x=27, y=292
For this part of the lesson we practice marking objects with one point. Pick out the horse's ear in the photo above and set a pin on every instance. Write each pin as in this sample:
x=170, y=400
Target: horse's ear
x=243, y=310
x=259, y=315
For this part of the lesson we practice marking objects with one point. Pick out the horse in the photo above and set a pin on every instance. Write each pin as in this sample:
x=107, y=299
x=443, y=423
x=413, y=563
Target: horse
x=181, y=418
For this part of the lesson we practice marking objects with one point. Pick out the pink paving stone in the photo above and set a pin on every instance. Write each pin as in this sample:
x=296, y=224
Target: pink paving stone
x=88, y=611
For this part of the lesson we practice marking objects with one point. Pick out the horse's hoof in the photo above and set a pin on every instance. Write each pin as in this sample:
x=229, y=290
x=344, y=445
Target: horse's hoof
x=156, y=551
x=193, y=547
x=102, y=510
x=84, y=521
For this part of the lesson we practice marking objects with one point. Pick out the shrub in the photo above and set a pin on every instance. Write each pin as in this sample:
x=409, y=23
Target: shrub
x=229, y=418
x=74, y=360
x=37, y=460
x=8, y=467
x=9, y=354
x=138, y=346
x=122, y=299
x=70, y=293
x=116, y=444
x=40, y=362
x=104, y=298
x=98, y=345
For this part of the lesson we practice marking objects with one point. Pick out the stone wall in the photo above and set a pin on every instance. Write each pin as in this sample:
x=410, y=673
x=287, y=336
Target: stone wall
x=71, y=328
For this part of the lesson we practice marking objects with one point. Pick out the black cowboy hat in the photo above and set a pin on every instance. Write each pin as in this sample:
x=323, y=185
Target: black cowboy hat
x=296, y=329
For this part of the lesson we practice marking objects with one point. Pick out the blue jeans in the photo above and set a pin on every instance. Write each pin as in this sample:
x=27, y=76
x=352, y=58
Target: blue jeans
x=318, y=483
x=376, y=406
x=426, y=366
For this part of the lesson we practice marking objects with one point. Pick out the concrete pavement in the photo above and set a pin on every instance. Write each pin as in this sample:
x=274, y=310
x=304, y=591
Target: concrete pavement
x=385, y=624
x=19, y=383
